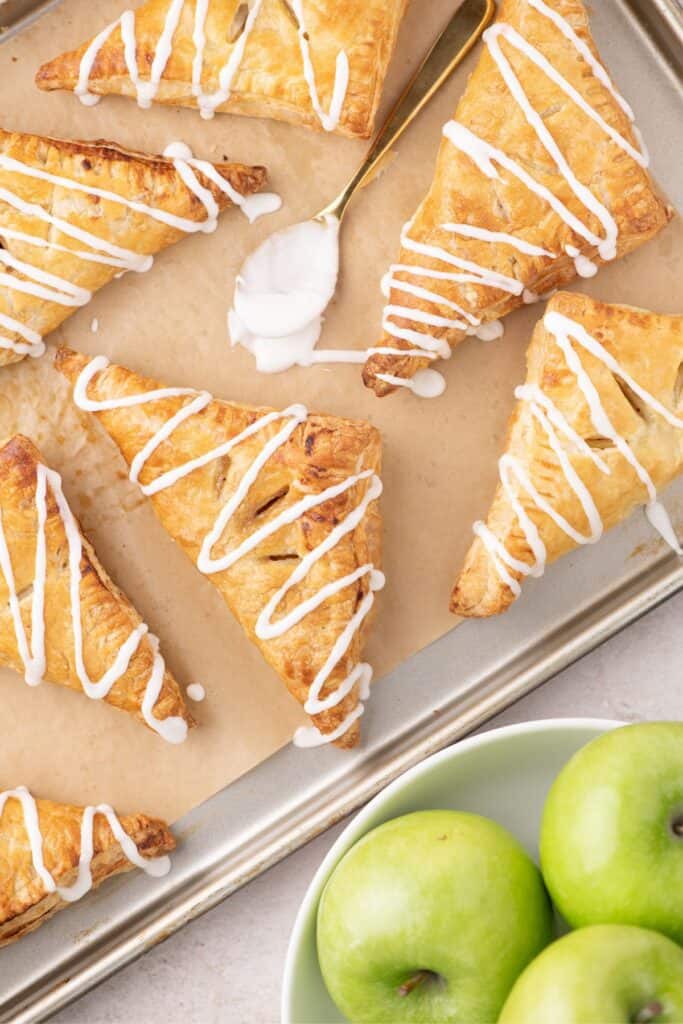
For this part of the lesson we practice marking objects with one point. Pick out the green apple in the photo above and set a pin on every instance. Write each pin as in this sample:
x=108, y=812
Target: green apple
x=612, y=831
x=605, y=974
x=431, y=917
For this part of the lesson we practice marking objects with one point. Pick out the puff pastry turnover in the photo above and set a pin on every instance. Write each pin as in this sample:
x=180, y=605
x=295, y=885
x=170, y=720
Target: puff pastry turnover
x=597, y=430
x=61, y=616
x=312, y=62
x=74, y=215
x=278, y=509
x=541, y=175
x=51, y=854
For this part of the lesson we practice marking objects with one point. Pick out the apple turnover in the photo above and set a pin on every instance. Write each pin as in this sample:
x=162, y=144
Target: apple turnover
x=63, y=619
x=53, y=854
x=278, y=509
x=318, y=64
x=541, y=175
x=75, y=215
x=597, y=431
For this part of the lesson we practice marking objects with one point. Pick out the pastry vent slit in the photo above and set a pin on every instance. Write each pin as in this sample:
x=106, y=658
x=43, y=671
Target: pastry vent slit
x=598, y=443
x=550, y=111
x=222, y=470
x=678, y=387
x=290, y=13
x=635, y=401
x=26, y=594
x=267, y=505
x=288, y=557
x=238, y=23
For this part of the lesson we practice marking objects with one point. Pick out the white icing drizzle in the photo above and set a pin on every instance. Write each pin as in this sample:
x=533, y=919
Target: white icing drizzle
x=147, y=89
x=196, y=692
x=265, y=627
x=568, y=333
x=491, y=331
x=486, y=157
x=32, y=280
x=424, y=383
x=156, y=867
x=33, y=652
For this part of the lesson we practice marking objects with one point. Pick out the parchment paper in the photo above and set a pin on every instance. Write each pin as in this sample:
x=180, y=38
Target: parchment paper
x=440, y=457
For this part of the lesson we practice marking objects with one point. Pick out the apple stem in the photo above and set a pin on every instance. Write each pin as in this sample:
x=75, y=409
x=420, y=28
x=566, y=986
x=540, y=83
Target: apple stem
x=649, y=1013
x=414, y=982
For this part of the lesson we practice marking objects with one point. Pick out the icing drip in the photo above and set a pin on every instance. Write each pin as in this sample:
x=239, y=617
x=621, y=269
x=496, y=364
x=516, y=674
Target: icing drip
x=568, y=334
x=157, y=868
x=487, y=158
x=491, y=331
x=583, y=266
x=30, y=280
x=196, y=692
x=424, y=383
x=266, y=628
x=33, y=652
x=208, y=103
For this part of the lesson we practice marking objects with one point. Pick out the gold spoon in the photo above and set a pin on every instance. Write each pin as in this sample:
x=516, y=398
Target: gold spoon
x=449, y=50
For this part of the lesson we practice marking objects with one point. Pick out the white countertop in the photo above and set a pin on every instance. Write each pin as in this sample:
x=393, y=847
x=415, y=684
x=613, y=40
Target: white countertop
x=226, y=967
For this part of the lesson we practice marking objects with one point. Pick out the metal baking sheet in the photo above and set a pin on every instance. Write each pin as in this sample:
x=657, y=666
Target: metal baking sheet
x=431, y=700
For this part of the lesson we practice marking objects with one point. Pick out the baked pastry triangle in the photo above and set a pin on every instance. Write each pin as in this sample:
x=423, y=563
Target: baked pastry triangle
x=541, y=175
x=61, y=617
x=74, y=215
x=597, y=431
x=278, y=509
x=52, y=854
x=318, y=64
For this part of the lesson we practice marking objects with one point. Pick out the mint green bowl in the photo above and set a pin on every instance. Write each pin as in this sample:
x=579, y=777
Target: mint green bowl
x=504, y=774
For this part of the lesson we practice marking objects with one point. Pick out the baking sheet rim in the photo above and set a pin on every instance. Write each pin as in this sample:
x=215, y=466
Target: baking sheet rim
x=170, y=907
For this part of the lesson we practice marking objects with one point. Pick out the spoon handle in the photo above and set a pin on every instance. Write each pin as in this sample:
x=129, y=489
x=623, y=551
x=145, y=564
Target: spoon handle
x=452, y=46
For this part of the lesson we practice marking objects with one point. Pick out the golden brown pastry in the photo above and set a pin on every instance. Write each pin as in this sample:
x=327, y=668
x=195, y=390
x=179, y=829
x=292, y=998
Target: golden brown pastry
x=74, y=215
x=45, y=862
x=279, y=509
x=62, y=618
x=540, y=176
x=319, y=64
x=597, y=431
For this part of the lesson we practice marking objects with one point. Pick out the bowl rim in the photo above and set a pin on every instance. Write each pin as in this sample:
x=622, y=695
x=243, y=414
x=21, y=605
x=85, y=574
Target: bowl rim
x=356, y=826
